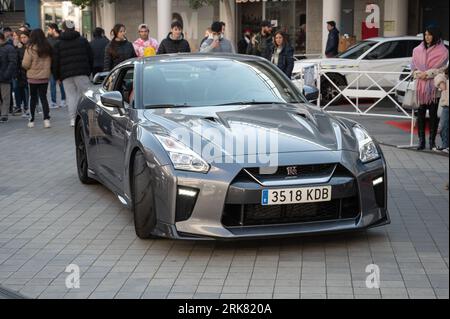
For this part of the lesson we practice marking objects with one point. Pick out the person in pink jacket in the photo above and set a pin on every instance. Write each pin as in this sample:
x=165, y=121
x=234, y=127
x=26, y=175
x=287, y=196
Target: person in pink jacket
x=145, y=46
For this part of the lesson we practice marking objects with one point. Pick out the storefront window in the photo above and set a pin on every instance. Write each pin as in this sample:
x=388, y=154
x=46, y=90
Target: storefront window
x=58, y=11
x=288, y=16
x=194, y=22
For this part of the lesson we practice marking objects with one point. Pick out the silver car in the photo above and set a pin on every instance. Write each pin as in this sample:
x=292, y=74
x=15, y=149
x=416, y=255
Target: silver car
x=205, y=146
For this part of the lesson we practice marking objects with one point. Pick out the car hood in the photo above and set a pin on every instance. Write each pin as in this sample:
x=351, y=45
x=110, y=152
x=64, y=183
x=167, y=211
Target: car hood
x=253, y=129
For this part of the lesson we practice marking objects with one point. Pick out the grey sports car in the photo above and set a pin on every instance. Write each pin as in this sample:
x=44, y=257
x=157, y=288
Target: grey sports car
x=226, y=147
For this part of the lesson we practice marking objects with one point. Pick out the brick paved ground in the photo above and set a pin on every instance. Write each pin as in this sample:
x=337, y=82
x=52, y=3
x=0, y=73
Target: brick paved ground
x=49, y=220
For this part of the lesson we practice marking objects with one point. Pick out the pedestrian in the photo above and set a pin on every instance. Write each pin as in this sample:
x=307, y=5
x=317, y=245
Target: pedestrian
x=224, y=26
x=441, y=82
x=262, y=43
x=283, y=54
x=38, y=63
x=25, y=27
x=98, y=46
x=145, y=46
x=8, y=70
x=244, y=42
x=15, y=84
x=217, y=43
x=72, y=65
x=9, y=35
x=332, y=48
x=207, y=35
x=54, y=33
x=429, y=56
x=175, y=42
x=119, y=49
x=22, y=91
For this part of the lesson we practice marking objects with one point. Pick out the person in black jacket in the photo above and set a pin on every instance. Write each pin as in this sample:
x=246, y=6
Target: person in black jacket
x=72, y=64
x=244, y=42
x=332, y=48
x=22, y=92
x=53, y=34
x=98, y=45
x=175, y=42
x=283, y=54
x=119, y=49
x=8, y=69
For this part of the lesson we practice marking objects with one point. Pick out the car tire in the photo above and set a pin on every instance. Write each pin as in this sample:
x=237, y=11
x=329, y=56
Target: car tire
x=329, y=92
x=143, y=198
x=82, y=158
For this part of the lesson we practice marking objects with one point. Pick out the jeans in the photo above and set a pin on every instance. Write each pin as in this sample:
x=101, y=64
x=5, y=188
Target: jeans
x=5, y=92
x=53, y=90
x=443, y=126
x=433, y=110
x=39, y=91
x=22, y=96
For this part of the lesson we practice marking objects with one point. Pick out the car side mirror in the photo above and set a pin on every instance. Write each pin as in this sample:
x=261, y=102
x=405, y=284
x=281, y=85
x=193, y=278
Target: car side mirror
x=99, y=78
x=112, y=99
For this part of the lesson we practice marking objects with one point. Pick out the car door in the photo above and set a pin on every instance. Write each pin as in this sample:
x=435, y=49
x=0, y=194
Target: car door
x=390, y=56
x=114, y=125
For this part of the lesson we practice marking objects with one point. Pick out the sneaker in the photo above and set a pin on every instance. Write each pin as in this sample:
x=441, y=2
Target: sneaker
x=47, y=124
x=31, y=125
x=53, y=105
x=17, y=111
x=3, y=120
x=72, y=123
x=25, y=115
x=445, y=150
x=63, y=104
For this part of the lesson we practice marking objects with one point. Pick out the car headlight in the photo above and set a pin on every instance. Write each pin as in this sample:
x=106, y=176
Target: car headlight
x=368, y=151
x=182, y=157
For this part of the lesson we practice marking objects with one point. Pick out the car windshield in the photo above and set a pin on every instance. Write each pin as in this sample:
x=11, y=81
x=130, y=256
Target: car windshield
x=357, y=50
x=215, y=82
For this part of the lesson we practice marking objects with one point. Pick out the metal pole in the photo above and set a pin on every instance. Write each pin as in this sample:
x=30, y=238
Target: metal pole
x=412, y=128
x=319, y=85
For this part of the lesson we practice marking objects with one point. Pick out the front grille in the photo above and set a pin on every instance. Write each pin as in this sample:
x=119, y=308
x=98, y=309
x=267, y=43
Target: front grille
x=258, y=215
x=301, y=171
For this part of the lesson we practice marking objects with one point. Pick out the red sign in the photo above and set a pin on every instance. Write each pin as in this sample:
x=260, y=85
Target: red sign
x=368, y=33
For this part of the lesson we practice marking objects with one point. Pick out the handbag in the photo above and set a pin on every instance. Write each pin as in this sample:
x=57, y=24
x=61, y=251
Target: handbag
x=410, y=100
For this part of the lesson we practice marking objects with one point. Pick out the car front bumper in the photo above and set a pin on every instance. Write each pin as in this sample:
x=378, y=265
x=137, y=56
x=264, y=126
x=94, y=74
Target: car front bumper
x=228, y=205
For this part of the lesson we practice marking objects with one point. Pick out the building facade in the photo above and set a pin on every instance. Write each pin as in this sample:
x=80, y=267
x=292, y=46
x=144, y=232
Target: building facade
x=304, y=20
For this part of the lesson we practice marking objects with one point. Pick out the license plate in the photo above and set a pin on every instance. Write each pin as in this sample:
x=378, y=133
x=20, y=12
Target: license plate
x=296, y=196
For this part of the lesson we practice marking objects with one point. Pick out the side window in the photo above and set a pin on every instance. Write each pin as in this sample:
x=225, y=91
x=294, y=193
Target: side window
x=110, y=80
x=411, y=46
x=389, y=50
x=125, y=85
